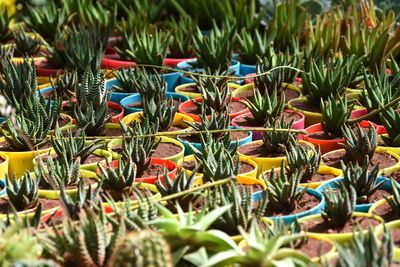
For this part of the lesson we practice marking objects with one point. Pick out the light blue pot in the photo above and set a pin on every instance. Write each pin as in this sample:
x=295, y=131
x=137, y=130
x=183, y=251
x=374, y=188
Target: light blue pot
x=3, y=185
x=172, y=80
x=291, y=218
x=359, y=207
x=2, y=119
x=116, y=97
x=189, y=151
x=247, y=69
x=136, y=98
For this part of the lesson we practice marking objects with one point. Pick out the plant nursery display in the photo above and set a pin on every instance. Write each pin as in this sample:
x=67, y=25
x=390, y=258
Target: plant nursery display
x=232, y=133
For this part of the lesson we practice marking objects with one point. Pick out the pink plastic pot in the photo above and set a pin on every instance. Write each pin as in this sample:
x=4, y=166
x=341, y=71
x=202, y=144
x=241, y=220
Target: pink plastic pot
x=297, y=125
x=187, y=104
x=170, y=165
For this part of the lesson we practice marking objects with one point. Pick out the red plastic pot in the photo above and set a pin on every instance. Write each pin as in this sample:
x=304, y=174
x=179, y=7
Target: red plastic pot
x=187, y=104
x=44, y=70
x=120, y=115
x=331, y=144
x=249, y=78
x=297, y=125
x=172, y=62
x=380, y=129
x=109, y=62
x=170, y=165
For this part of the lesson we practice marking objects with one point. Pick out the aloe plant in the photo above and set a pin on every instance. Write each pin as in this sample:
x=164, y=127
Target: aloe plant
x=5, y=32
x=65, y=84
x=92, y=102
x=26, y=44
x=215, y=94
x=127, y=81
x=277, y=141
x=6, y=51
x=46, y=20
x=22, y=193
x=253, y=46
x=394, y=199
x=391, y=120
x=145, y=47
x=159, y=110
x=214, y=51
x=363, y=180
x=305, y=160
x=148, y=12
x=335, y=114
x=181, y=44
x=359, y=144
x=148, y=83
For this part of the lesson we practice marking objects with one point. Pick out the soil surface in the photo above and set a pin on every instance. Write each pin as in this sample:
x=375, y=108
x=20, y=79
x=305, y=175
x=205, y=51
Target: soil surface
x=190, y=89
x=191, y=164
x=306, y=106
x=88, y=181
x=233, y=107
x=306, y=203
x=386, y=212
x=321, y=226
x=235, y=136
x=153, y=170
x=384, y=160
x=165, y=150
x=314, y=247
x=111, y=113
x=257, y=150
x=4, y=146
x=46, y=204
x=287, y=116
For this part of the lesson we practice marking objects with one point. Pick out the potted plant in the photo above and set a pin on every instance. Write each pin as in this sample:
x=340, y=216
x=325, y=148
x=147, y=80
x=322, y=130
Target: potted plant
x=391, y=121
x=126, y=82
x=338, y=219
x=25, y=45
x=388, y=207
x=387, y=237
x=5, y=31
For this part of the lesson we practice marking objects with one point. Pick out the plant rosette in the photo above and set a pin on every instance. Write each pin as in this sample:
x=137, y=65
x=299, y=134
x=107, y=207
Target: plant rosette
x=246, y=91
x=387, y=160
x=291, y=217
x=169, y=148
x=247, y=174
x=264, y=162
x=115, y=112
x=192, y=66
x=288, y=115
x=98, y=156
x=192, y=92
x=394, y=228
x=241, y=138
x=383, y=190
x=315, y=222
x=235, y=108
x=134, y=102
x=72, y=192
x=155, y=165
x=316, y=136
x=4, y=161
x=20, y=161
x=179, y=124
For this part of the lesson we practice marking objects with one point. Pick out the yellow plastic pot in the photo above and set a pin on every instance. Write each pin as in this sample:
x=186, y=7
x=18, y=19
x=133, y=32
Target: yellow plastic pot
x=265, y=164
x=55, y=194
x=175, y=158
x=66, y=126
x=390, y=148
x=3, y=166
x=310, y=117
x=250, y=86
x=323, y=170
x=339, y=237
x=382, y=172
x=376, y=205
x=390, y=226
x=179, y=121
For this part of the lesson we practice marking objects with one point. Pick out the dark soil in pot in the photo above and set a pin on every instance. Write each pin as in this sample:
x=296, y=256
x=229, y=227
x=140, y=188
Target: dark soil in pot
x=62, y=121
x=235, y=136
x=165, y=150
x=319, y=178
x=135, y=105
x=4, y=146
x=306, y=203
x=384, y=160
x=321, y=135
x=395, y=175
x=92, y=158
x=88, y=181
x=287, y=116
x=233, y=107
x=320, y=226
x=153, y=170
x=46, y=204
x=190, y=89
x=174, y=128
x=289, y=94
x=110, y=132
x=306, y=106
x=191, y=164
x=386, y=212
x=112, y=112
x=314, y=247
x=257, y=150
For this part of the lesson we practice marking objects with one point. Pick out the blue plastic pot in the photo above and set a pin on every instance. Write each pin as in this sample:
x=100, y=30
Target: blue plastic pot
x=291, y=218
x=189, y=151
x=359, y=207
x=137, y=98
x=247, y=69
x=2, y=119
x=116, y=97
x=172, y=80
x=4, y=190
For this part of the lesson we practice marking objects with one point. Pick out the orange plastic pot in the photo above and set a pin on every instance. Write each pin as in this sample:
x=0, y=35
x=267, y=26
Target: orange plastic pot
x=196, y=117
x=170, y=165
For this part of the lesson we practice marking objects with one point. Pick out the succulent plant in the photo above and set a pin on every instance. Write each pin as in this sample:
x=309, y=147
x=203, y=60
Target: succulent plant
x=145, y=47
x=181, y=44
x=253, y=45
x=335, y=114
x=277, y=140
x=359, y=144
x=146, y=12
x=18, y=81
x=365, y=249
x=305, y=160
x=69, y=146
x=214, y=94
x=6, y=51
x=65, y=84
x=76, y=48
x=46, y=20
x=282, y=189
x=136, y=148
x=214, y=51
x=340, y=205
x=391, y=120
x=149, y=249
x=118, y=181
x=127, y=81
x=92, y=102
x=5, y=32
x=148, y=84
x=161, y=110
x=218, y=159
x=324, y=79
x=265, y=108
x=241, y=213
x=181, y=183
x=394, y=199
x=22, y=193
x=26, y=44
x=52, y=173
x=364, y=181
